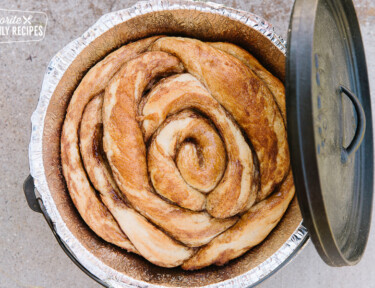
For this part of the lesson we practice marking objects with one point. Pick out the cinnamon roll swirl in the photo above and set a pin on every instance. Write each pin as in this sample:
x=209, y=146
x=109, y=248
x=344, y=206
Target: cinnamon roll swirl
x=176, y=150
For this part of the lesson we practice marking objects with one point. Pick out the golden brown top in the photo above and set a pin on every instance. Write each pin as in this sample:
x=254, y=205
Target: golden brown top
x=171, y=146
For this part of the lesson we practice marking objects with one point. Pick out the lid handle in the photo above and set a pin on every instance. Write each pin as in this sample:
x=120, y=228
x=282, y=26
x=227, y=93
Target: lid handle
x=361, y=125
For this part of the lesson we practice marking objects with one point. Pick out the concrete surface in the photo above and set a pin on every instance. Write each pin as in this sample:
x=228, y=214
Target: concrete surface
x=30, y=256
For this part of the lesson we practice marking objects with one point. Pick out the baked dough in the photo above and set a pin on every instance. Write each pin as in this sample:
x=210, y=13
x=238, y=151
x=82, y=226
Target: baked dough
x=84, y=197
x=176, y=150
x=244, y=96
x=151, y=243
x=237, y=188
x=273, y=84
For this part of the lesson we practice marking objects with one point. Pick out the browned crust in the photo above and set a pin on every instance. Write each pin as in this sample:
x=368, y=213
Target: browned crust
x=91, y=131
x=202, y=163
x=238, y=186
x=273, y=83
x=125, y=150
x=123, y=136
x=251, y=230
x=259, y=115
x=84, y=197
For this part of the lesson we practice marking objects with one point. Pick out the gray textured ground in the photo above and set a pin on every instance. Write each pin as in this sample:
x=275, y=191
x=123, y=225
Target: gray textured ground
x=29, y=255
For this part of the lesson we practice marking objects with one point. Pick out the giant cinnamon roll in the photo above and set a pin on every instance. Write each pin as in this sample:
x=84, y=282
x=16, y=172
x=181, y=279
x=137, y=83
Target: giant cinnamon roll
x=176, y=150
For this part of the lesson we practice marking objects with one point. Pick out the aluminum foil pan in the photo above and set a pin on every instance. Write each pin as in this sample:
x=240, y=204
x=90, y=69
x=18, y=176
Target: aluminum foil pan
x=57, y=67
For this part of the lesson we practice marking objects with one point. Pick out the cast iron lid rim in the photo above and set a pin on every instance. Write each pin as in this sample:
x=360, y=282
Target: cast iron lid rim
x=301, y=131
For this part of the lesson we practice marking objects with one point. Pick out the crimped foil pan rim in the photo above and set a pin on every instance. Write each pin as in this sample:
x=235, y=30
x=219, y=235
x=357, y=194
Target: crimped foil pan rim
x=55, y=70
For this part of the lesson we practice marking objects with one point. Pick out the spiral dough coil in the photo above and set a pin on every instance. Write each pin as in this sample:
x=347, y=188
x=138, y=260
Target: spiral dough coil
x=176, y=150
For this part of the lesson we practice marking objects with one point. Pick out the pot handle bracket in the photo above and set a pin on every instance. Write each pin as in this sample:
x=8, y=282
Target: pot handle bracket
x=36, y=204
x=29, y=190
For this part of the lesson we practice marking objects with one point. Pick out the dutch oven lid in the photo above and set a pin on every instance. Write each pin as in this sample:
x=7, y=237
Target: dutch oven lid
x=330, y=127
